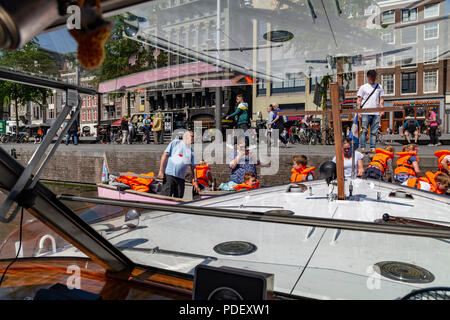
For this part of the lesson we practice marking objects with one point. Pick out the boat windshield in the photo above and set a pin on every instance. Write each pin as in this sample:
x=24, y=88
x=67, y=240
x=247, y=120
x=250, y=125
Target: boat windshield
x=248, y=78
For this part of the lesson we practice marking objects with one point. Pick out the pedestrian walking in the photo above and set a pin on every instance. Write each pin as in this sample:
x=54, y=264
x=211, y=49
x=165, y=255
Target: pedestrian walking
x=370, y=95
x=124, y=128
x=73, y=130
x=130, y=131
x=241, y=112
x=147, y=127
x=157, y=128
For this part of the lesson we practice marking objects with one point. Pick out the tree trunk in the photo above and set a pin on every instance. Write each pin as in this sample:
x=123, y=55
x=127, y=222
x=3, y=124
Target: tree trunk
x=17, y=118
x=17, y=111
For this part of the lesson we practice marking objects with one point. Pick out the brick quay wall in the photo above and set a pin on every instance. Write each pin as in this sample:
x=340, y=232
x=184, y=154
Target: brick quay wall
x=84, y=163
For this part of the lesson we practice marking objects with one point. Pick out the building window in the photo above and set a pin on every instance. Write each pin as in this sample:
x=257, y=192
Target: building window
x=430, y=54
x=430, y=81
x=119, y=112
x=431, y=31
x=293, y=84
x=262, y=87
x=388, y=60
x=431, y=10
x=388, y=17
x=142, y=100
x=409, y=82
x=409, y=60
x=409, y=15
x=409, y=35
x=388, y=83
x=389, y=37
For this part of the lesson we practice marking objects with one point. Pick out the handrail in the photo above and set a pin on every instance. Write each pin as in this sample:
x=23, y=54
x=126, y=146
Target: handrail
x=266, y=217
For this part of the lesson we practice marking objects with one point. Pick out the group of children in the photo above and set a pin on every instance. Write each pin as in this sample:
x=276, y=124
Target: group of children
x=407, y=171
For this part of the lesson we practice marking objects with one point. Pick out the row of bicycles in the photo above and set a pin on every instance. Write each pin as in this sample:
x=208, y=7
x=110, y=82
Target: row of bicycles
x=10, y=137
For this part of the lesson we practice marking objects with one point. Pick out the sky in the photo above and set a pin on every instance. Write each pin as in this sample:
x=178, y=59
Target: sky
x=58, y=41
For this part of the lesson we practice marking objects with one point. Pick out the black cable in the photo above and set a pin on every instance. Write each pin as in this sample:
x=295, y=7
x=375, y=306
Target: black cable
x=18, y=251
x=329, y=23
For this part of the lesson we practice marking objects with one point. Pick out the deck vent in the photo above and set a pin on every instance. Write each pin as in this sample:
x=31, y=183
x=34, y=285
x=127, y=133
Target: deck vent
x=400, y=194
x=235, y=248
x=281, y=212
x=404, y=272
x=297, y=187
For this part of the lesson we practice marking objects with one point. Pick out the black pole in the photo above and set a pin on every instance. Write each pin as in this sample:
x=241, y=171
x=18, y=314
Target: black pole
x=128, y=104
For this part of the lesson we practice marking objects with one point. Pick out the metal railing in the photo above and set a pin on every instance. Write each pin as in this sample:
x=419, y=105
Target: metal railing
x=443, y=232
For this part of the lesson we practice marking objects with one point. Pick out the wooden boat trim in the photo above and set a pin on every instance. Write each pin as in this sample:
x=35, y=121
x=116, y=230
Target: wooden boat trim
x=50, y=270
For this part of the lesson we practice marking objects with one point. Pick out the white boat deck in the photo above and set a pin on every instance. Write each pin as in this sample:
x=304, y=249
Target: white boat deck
x=312, y=262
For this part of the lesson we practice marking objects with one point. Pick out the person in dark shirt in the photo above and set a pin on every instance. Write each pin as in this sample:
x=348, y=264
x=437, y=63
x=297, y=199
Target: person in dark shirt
x=73, y=131
x=124, y=128
x=411, y=127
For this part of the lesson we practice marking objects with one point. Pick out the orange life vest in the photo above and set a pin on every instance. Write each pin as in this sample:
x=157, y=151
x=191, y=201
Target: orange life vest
x=429, y=178
x=415, y=182
x=441, y=154
x=432, y=181
x=301, y=175
x=380, y=159
x=138, y=183
x=403, y=167
x=244, y=186
x=202, y=174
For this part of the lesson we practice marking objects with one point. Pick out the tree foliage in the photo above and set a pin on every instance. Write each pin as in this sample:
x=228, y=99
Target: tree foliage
x=124, y=56
x=29, y=59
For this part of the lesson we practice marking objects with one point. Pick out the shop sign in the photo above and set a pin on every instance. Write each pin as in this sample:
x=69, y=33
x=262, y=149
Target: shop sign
x=417, y=103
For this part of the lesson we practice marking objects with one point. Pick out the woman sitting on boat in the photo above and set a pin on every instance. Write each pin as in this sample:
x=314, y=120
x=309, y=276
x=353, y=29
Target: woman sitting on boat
x=241, y=162
x=348, y=160
x=407, y=164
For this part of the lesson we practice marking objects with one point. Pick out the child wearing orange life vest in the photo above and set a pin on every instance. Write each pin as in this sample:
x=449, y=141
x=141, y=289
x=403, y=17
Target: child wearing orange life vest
x=438, y=182
x=407, y=164
x=250, y=182
x=204, y=176
x=381, y=164
x=443, y=160
x=300, y=171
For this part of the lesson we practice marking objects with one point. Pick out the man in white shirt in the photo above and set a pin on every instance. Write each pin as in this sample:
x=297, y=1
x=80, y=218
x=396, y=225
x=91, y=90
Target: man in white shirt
x=370, y=95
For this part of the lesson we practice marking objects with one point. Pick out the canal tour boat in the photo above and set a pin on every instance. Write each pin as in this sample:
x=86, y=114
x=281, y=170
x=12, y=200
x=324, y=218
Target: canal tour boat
x=331, y=238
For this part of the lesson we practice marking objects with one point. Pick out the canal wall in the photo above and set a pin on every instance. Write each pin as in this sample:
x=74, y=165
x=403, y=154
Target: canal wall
x=85, y=165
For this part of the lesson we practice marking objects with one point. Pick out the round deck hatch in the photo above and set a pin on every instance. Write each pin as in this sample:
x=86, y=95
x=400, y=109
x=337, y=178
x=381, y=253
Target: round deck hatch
x=278, y=36
x=404, y=272
x=235, y=248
